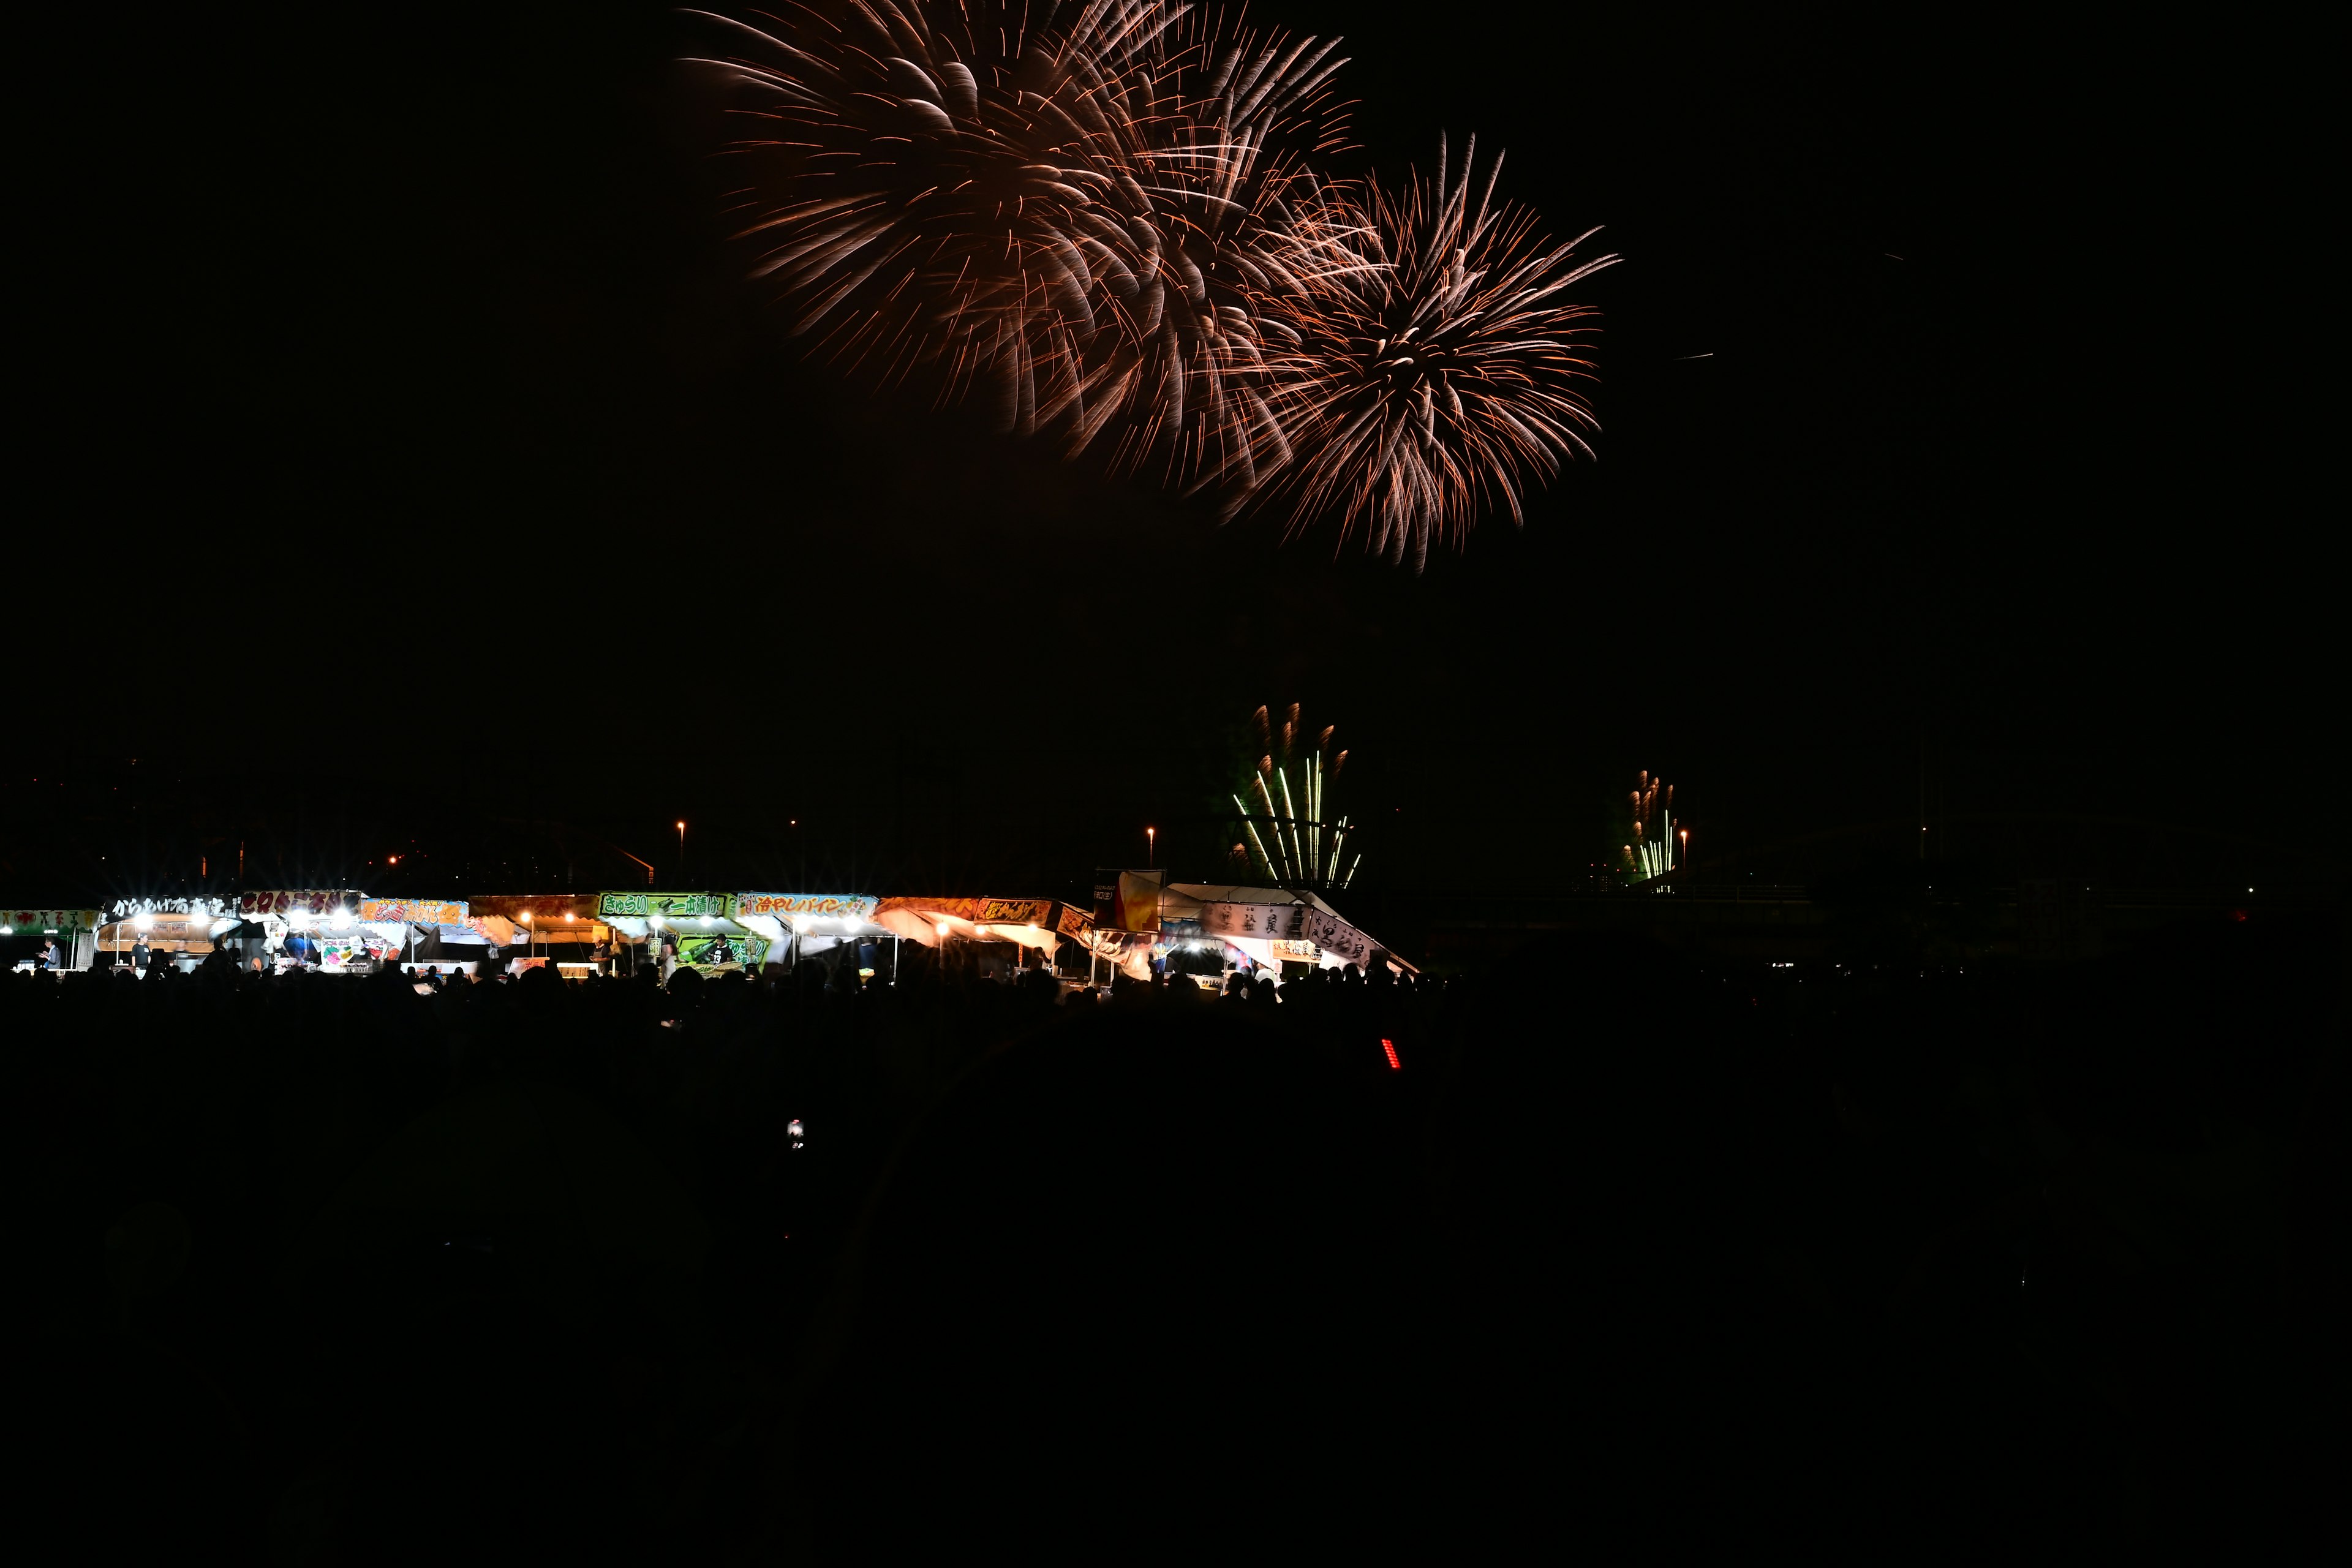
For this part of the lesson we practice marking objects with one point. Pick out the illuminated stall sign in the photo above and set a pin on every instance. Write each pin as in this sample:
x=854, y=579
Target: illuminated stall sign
x=123, y=908
x=58, y=920
x=1075, y=921
x=979, y=911
x=669, y=906
x=413, y=912
x=820, y=906
x=1274, y=922
x=955, y=908
x=1335, y=936
x=307, y=901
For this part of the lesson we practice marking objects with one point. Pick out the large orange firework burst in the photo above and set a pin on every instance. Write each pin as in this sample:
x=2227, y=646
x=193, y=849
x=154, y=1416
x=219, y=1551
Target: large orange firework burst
x=1428, y=380
x=1066, y=210
x=1099, y=217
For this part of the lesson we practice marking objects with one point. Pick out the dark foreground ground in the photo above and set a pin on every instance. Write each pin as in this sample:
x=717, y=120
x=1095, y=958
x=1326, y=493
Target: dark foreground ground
x=1627, y=1258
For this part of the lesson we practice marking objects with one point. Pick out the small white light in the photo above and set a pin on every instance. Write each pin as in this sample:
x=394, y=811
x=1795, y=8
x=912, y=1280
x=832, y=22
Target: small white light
x=708, y=921
x=654, y=920
x=943, y=928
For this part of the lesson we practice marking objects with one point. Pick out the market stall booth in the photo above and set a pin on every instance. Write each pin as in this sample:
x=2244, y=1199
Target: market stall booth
x=830, y=927
x=560, y=930
x=1039, y=932
x=680, y=930
x=443, y=935
x=1213, y=927
x=306, y=928
x=175, y=933
x=28, y=934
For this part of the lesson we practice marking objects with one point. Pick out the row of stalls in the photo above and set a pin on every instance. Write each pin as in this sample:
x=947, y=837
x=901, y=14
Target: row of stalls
x=1140, y=923
x=343, y=930
x=718, y=931
x=331, y=929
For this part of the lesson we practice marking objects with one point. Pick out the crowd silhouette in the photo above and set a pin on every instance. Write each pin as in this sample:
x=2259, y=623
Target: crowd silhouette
x=1601, y=1244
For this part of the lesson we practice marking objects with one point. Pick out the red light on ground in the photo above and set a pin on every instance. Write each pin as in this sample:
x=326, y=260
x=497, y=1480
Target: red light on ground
x=1389, y=1047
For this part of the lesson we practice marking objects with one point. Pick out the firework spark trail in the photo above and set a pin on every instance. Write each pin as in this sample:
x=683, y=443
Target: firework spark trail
x=1649, y=858
x=1061, y=215
x=1434, y=376
x=1305, y=849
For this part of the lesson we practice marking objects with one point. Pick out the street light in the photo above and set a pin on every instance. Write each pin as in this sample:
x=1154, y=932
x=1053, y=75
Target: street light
x=681, y=851
x=1152, y=842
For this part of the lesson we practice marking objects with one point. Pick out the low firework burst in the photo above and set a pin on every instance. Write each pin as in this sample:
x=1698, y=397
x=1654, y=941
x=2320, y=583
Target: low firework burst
x=1431, y=378
x=1648, y=857
x=1067, y=210
x=1291, y=835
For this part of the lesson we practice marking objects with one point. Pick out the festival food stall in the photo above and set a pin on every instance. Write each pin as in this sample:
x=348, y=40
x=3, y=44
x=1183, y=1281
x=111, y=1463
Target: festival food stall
x=560, y=928
x=310, y=927
x=1269, y=927
x=431, y=933
x=811, y=925
x=74, y=930
x=176, y=932
x=703, y=925
x=1038, y=925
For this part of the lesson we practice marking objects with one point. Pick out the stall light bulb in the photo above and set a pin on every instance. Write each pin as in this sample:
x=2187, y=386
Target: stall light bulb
x=567, y=914
x=7, y=930
x=943, y=928
x=144, y=920
x=708, y=921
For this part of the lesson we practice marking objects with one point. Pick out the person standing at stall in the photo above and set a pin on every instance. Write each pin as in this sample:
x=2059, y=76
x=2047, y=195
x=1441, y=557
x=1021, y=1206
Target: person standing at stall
x=51, y=959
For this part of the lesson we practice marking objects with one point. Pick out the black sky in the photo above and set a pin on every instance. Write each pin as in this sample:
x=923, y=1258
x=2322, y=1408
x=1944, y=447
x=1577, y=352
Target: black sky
x=403, y=441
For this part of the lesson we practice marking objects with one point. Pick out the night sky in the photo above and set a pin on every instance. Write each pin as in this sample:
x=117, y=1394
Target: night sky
x=412, y=472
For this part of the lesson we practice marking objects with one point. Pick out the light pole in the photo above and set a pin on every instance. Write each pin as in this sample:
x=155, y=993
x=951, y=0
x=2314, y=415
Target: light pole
x=1151, y=846
x=681, y=853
